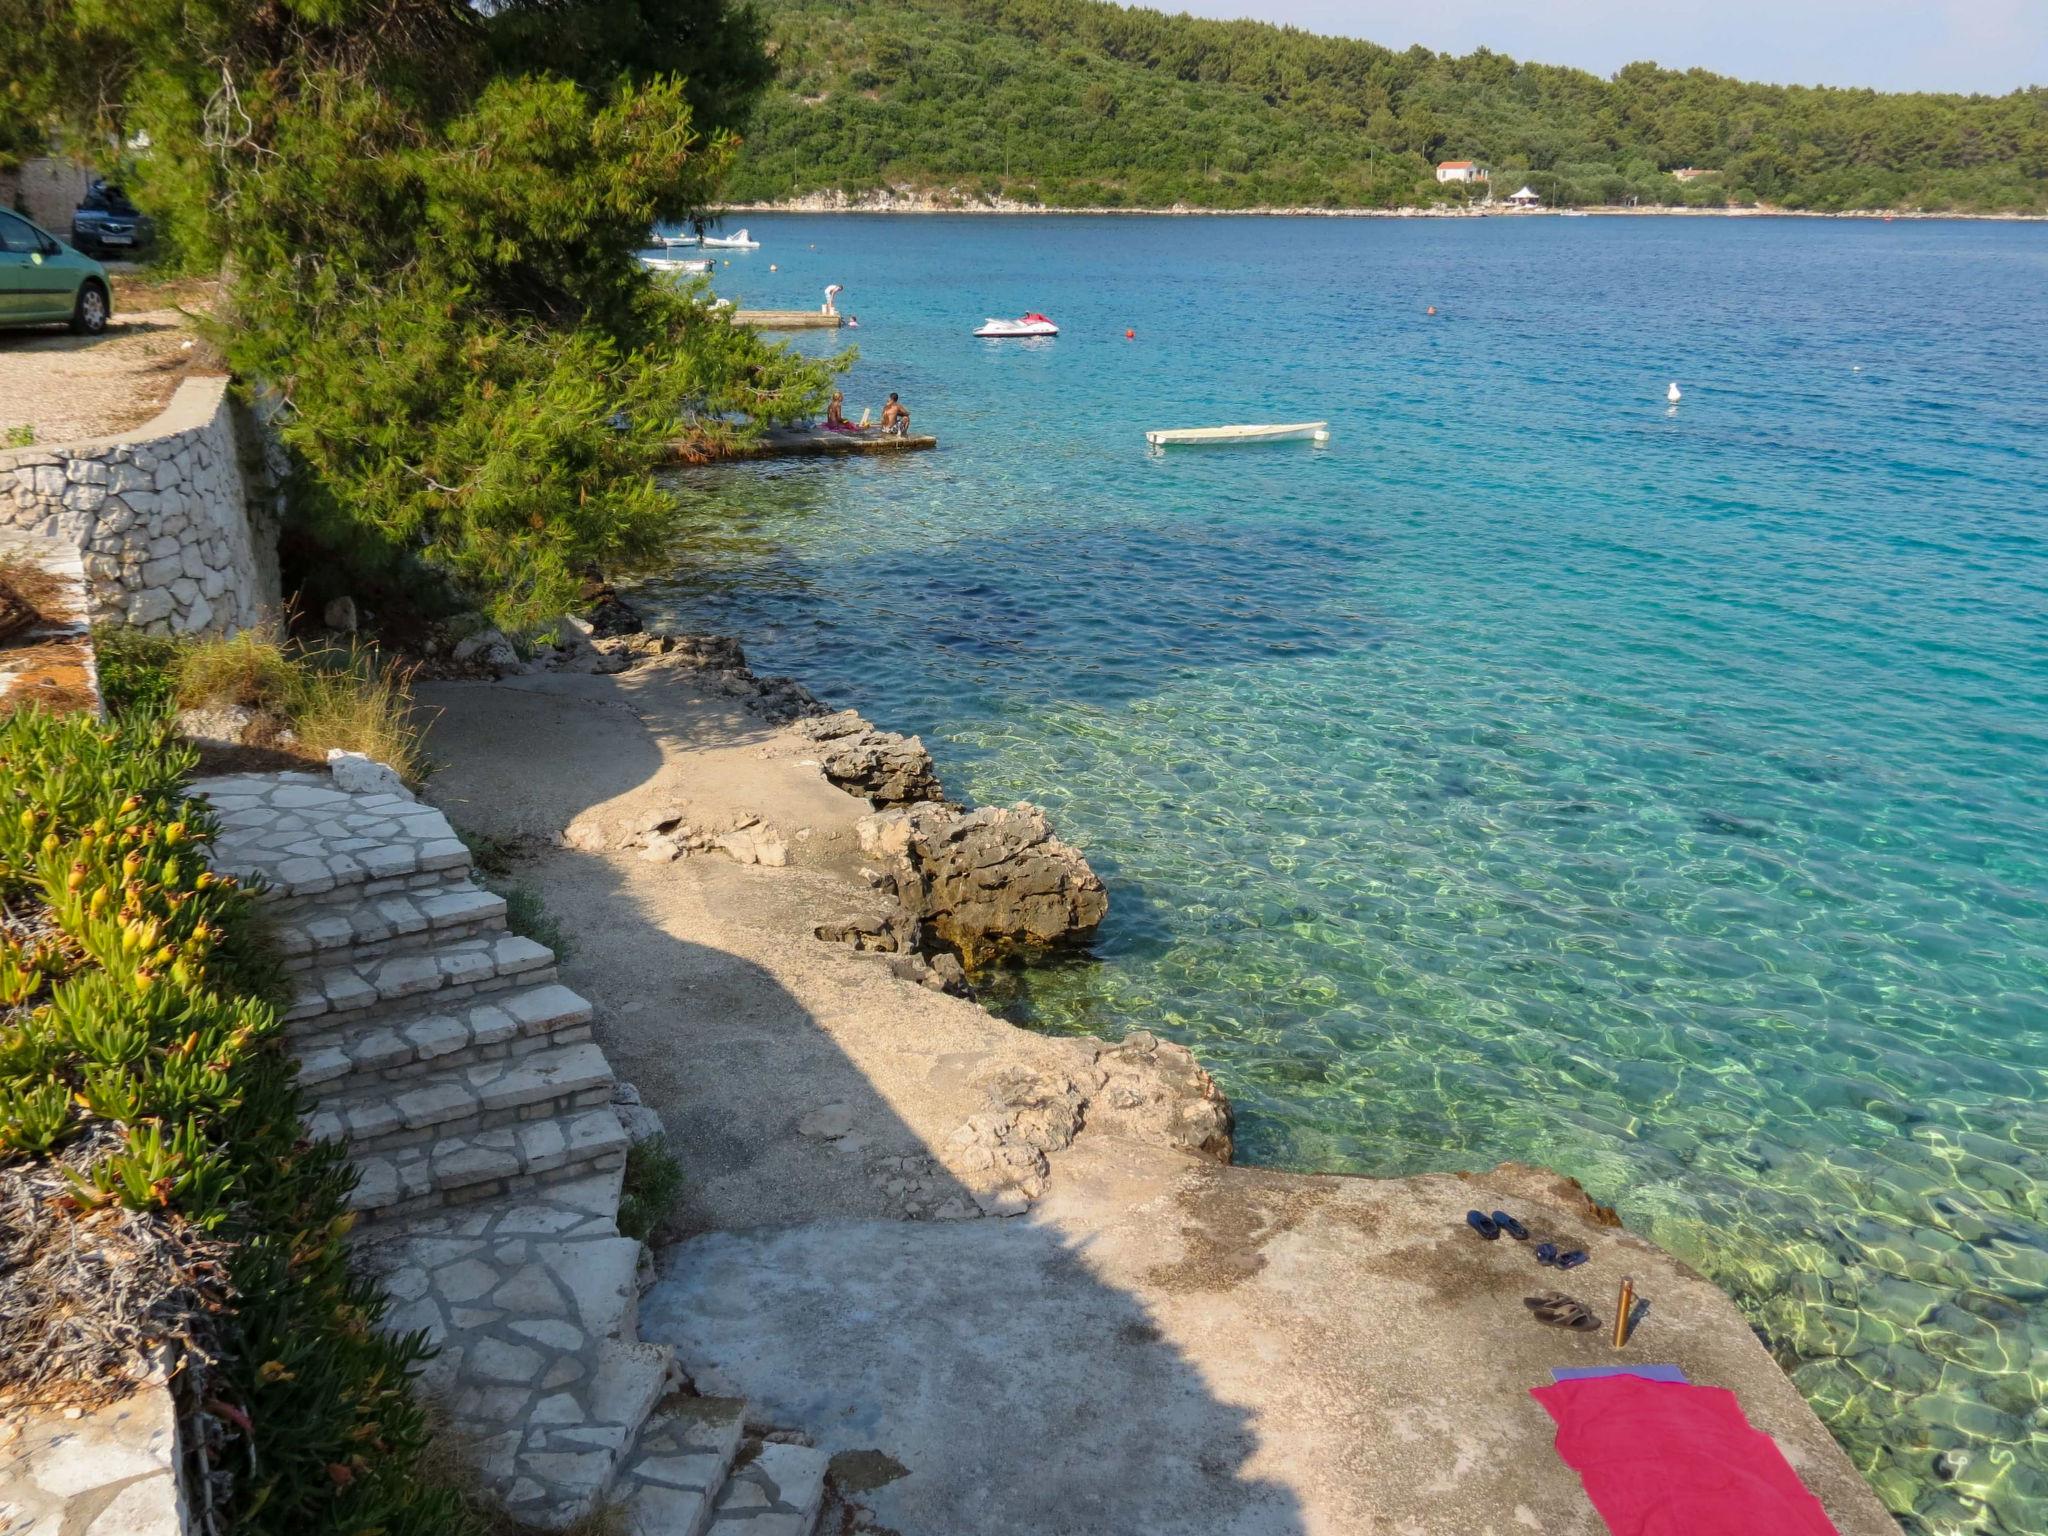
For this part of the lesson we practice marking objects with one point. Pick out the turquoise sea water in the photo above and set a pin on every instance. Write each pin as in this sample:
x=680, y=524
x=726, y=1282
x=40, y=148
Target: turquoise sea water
x=1536, y=771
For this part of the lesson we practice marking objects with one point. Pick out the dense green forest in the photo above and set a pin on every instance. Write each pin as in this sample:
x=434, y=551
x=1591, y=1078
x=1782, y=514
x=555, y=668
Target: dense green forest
x=1078, y=103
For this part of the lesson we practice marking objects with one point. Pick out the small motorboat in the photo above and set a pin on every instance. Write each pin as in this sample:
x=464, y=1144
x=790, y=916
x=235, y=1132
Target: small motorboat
x=1033, y=324
x=676, y=263
x=1283, y=432
x=739, y=242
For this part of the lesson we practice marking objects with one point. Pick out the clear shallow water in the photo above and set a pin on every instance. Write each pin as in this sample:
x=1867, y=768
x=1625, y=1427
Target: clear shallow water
x=1534, y=772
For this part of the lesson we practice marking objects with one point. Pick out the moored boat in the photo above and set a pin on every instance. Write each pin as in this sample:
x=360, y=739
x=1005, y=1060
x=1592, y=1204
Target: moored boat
x=676, y=263
x=739, y=242
x=1032, y=324
x=1281, y=432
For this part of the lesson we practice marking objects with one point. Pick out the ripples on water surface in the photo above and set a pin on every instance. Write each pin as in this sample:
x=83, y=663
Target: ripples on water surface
x=1535, y=772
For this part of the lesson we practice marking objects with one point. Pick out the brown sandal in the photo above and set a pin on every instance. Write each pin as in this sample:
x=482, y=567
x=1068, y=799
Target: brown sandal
x=1561, y=1311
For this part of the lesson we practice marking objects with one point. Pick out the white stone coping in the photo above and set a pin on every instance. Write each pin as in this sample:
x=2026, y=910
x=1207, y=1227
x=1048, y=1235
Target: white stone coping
x=193, y=404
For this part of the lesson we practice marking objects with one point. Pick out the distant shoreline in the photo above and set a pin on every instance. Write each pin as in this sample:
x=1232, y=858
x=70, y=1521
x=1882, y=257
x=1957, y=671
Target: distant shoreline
x=839, y=203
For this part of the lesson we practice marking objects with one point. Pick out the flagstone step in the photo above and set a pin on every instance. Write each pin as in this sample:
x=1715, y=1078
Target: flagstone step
x=349, y=989
x=431, y=1104
x=478, y=1165
x=564, y=1453
x=371, y=926
x=778, y=1493
x=306, y=838
x=391, y=1046
x=670, y=1487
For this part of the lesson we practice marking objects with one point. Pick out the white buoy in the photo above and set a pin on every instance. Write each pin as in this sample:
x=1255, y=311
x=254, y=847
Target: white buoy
x=1673, y=395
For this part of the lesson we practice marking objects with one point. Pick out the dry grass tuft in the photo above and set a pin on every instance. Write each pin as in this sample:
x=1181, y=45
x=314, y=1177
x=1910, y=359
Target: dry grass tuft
x=334, y=697
x=353, y=700
x=249, y=669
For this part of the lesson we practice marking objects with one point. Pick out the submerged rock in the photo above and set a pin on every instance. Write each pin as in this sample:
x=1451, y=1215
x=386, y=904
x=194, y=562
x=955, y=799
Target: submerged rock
x=986, y=882
x=882, y=766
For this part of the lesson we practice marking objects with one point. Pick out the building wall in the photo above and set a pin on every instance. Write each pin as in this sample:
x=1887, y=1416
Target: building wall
x=48, y=188
x=173, y=541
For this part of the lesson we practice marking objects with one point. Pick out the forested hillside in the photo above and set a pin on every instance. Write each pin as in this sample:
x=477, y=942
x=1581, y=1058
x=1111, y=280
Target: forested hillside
x=1076, y=103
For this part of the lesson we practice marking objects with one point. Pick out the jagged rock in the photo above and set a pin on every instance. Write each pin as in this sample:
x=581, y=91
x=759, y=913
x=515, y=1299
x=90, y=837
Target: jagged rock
x=887, y=768
x=489, y=649
x=574, y=652
x=777, y=699
x=1153, y=1090
x=640, y=1123
x=340, y=614
x=233, y=725
x=360, y=774
x=221, y=725
x=898, y=933
x=608, y=614
x=986, y=882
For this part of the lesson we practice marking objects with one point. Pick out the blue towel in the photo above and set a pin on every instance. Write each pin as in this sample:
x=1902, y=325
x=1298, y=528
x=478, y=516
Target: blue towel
x=1587, y=1372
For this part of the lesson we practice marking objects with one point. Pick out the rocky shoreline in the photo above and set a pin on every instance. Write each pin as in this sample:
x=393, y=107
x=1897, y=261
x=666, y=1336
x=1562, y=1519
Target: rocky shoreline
x=911, y=200
x=929, y=1240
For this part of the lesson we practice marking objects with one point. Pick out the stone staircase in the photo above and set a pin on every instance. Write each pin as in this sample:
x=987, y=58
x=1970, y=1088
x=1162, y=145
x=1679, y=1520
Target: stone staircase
x=462, y=1076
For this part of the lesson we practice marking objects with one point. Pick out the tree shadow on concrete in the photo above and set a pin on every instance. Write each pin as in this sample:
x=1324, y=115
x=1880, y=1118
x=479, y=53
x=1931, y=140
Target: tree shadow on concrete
x=1016, y=1389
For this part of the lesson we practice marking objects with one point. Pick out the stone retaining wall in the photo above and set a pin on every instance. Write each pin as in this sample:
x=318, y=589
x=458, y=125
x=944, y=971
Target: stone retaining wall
x=173, y=541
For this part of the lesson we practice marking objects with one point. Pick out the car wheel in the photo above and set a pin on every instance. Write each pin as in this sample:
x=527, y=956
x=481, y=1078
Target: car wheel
x=89, y=315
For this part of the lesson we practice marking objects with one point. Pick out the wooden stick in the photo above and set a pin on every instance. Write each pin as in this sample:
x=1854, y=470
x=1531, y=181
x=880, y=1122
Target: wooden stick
x=1623, y=1305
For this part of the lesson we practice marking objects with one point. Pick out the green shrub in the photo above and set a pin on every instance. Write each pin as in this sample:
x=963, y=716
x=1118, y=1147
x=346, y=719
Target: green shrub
x=653, y=1180
x=135, y=669
x=140, y=1027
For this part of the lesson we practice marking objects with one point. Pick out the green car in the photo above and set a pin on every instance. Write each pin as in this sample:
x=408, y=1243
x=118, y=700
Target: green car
x=43, y=280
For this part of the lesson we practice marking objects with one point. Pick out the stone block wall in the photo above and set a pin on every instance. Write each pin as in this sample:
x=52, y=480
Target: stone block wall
x=47, y=188
x=172, y=538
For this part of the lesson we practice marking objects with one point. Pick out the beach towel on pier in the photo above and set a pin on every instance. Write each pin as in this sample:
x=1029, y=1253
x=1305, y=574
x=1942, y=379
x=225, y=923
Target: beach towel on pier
x=1590, y=1372
x=1666, y=1459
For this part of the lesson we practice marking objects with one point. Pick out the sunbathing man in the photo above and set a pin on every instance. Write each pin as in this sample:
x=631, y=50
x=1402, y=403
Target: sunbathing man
x=835, y=413
x=896, y=417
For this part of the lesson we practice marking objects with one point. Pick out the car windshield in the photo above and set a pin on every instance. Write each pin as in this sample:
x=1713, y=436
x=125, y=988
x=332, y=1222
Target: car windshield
x=105, y=199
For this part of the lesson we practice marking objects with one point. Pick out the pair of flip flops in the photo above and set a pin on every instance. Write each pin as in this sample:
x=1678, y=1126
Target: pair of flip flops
x=1561, y=1311
x=1491, y=1227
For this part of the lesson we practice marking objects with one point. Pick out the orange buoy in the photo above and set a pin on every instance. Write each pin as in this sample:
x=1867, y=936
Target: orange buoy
x=1432, y=309
x=1129, y=334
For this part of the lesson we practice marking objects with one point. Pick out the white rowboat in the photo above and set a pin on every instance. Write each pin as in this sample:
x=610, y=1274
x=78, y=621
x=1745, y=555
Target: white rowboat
x=676, y=263
x=1286, y=432
x=680, y=239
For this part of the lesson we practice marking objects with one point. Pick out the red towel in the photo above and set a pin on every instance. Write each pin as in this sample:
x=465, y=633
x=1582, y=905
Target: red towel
x=1663, y=1459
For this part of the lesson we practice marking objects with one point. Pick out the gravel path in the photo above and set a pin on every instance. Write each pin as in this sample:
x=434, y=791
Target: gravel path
x=68, y=387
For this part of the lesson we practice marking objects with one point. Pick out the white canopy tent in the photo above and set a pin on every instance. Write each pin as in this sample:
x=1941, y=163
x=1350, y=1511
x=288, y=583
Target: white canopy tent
x=1524, y=199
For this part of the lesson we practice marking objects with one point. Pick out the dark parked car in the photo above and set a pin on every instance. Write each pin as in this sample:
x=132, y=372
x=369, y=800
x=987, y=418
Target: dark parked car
x=107, y=224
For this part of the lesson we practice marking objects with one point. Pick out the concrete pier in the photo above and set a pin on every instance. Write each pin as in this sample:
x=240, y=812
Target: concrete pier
x=788, y=319
x=804, y=443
